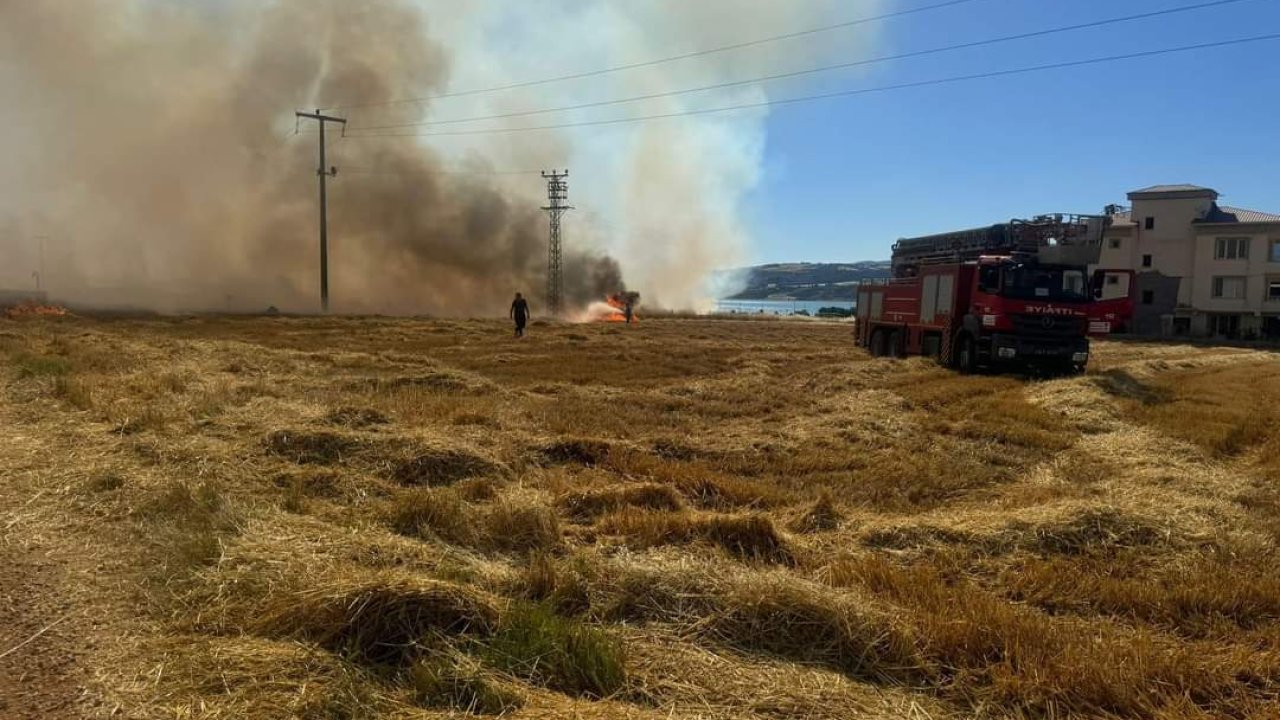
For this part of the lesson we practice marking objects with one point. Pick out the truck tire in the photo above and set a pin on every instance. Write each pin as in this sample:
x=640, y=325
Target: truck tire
x=877, y=343
x=895, y=344
x=931, y=347
x=966, y=355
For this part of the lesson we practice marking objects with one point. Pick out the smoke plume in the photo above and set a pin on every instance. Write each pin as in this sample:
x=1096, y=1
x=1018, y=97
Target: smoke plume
x=152, y=146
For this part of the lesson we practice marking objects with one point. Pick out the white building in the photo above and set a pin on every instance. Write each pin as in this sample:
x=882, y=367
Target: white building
x=1202, y=269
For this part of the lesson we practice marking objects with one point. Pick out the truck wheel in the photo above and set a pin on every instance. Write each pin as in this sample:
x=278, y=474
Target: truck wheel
x=967, y=355
x=877, y=343
x=895, y=344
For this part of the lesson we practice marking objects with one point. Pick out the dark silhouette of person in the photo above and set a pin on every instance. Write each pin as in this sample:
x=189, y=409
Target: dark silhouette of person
x=627, y=310
x=520, y=313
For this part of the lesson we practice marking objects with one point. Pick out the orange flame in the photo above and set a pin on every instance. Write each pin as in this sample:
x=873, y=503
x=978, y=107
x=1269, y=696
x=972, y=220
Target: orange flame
x=31, y=309
x=619, y=308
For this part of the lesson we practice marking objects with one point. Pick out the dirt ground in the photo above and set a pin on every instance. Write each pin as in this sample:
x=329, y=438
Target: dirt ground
x=40, y=676
x=215, y=517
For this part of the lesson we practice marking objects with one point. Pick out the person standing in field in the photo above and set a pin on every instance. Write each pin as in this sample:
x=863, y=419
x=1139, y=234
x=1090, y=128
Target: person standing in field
x=627, y=310
x=520, y=313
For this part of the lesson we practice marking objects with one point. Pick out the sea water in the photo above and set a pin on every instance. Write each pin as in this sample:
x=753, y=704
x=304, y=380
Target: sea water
x=779, y=307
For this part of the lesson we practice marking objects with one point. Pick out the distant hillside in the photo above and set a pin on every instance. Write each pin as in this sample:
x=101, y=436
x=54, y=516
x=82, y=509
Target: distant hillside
x=808, y=281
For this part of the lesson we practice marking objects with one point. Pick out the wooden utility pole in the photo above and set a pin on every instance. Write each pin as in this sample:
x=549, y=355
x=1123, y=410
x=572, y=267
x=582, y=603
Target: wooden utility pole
x=324, y=174
x=41, y=280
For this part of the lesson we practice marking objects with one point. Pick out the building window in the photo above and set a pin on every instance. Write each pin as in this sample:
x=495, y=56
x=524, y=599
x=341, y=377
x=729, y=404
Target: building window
x=1225, y=325
x=1148, y=297
x=1228, y=288
x=1115, y=245
x=1146, y=261
x=1275, y=251
x=1273, y=290
x=1233, y=248
x=1150, y=223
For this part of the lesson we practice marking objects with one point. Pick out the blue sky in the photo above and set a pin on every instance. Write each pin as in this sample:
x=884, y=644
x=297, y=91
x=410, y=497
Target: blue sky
x=845, y=177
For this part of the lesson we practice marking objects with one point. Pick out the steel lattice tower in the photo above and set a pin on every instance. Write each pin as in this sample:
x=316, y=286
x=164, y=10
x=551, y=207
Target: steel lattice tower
x=557, y=196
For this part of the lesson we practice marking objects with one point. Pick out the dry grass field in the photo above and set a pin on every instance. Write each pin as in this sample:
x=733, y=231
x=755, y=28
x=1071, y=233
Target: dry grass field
x=688, y=518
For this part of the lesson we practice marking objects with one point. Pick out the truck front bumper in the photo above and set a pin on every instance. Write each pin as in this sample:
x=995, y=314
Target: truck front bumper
x=1016, y=349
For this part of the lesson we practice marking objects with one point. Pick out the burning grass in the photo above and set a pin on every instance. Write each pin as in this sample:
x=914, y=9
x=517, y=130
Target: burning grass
x=334, y=517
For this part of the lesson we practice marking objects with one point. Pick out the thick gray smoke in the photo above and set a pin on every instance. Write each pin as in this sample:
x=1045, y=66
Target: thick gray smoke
x=152, y=144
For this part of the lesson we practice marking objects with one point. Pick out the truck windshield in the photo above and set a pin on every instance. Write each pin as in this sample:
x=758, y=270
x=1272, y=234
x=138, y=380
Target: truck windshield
x=1038, y=282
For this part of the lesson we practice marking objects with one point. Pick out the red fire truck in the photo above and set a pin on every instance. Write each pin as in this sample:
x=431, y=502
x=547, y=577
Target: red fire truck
x=985, y=298
x=994, y=311
x=1113, y=300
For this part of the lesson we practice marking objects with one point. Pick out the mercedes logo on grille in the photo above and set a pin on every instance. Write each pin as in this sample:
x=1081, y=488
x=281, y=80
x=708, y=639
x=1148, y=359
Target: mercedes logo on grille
x=1046, y=322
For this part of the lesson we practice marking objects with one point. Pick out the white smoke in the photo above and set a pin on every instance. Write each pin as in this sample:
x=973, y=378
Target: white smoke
x=150, y=143
x=664, y=197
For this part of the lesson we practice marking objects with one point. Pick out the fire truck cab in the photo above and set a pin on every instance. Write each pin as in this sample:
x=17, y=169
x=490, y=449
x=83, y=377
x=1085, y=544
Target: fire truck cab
x=1009, y=310
x=1113, y=301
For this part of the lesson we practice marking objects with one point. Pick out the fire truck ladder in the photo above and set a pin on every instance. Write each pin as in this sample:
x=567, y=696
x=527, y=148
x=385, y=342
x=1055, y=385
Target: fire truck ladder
x=1015, y=237
x=961, y=246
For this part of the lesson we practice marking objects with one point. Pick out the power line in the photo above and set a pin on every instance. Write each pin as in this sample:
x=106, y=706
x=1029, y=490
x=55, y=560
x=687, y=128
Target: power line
x=378, y=171
x=659, y=61
x=810, y=71
x=842, y=93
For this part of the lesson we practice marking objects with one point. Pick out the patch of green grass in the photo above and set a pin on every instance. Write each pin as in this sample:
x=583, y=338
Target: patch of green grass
x=34, y=366
x=561, y=653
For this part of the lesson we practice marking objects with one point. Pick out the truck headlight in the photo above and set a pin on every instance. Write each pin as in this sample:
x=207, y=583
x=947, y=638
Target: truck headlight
x=1080, y=357
x=1006, y=353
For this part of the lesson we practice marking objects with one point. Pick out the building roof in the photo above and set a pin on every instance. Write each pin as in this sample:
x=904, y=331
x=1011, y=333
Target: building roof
x=1218, y=214
x=1173, y=188
x=1243, y=215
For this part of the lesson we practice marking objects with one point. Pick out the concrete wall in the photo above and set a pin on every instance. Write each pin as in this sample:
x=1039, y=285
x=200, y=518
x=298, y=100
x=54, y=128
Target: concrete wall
x=1118, y=257
x=1153, y=318
x=1171, y=242
x=1257, y=269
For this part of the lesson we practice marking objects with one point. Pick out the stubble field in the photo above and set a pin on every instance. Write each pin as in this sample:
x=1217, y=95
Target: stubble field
x=687, y=518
